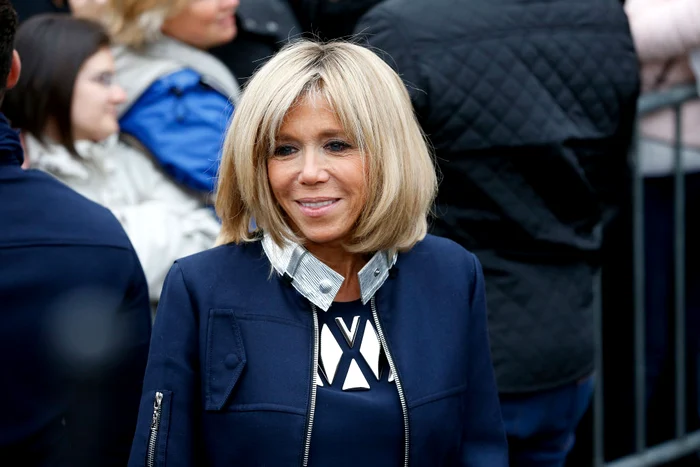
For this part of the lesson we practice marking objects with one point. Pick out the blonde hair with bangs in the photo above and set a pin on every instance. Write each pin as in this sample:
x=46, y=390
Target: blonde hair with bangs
x=375, y=111
x=137, y=22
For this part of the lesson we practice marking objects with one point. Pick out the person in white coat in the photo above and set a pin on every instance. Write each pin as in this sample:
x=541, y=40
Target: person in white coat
x=66, y=107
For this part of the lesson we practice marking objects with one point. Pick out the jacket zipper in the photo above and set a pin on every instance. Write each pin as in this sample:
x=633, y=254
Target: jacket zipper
x=312, y=404
x=155, y=425
x=392, y=367
x=397, y=380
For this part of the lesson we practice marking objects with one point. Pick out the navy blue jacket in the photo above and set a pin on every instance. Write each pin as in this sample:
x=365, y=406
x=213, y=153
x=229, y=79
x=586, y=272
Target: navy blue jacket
x=74, y=324
x=232, y=356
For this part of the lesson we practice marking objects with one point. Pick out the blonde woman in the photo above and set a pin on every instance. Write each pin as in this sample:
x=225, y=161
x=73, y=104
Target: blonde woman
x=180, y=97
x=338, y=332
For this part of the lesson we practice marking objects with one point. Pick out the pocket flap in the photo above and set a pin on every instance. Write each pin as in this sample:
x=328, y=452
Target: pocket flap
x=225, y=358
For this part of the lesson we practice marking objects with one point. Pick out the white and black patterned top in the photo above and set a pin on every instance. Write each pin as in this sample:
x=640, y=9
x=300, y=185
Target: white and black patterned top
x=358, y=412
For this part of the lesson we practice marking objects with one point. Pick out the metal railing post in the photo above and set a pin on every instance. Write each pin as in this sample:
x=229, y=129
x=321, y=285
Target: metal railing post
x=684, y=443
x=598, y=402
x=679, y=275
x=639, y=303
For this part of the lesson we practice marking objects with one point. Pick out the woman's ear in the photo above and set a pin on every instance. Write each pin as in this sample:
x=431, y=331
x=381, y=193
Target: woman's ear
x=15, y=69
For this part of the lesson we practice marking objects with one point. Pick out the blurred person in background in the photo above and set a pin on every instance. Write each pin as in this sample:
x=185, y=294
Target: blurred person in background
x=74, y=309
x=66, y=103
x=530, y=107
x=179, y=97
x=264, y=26
x=666, y=34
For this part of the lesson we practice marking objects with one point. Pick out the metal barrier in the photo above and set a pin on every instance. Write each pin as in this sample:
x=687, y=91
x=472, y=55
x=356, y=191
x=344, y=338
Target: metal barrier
x=684, y=443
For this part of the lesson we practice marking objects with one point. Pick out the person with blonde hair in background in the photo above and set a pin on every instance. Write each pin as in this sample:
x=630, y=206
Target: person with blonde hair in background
x=263, y=28
x=337, y=330
x=179, y=97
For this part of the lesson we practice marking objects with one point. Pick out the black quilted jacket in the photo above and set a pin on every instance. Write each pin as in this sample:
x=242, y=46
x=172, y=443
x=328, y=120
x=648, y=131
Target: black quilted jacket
x=530, y=106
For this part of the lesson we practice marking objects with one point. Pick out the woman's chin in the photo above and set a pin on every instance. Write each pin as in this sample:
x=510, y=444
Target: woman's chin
x=323, y=238
x=225, y=35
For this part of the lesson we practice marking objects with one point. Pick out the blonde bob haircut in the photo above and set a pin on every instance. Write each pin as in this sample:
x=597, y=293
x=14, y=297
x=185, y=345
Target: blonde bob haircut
x=375, y=112
x=136, y=22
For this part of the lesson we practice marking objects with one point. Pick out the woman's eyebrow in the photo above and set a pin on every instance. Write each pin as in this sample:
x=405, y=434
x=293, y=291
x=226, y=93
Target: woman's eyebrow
x=330, y=133
x=333, y=133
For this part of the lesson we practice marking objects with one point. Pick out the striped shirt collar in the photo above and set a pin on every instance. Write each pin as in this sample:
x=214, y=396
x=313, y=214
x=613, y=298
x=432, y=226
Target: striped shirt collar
x=319, y=283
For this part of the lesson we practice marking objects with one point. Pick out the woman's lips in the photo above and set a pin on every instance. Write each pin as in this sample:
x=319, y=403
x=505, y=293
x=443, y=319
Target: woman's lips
x=227, y=21
x=317, y=207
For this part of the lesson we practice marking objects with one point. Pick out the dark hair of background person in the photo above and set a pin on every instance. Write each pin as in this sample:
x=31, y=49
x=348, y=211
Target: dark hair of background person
x=8, y=28
x=53, y=48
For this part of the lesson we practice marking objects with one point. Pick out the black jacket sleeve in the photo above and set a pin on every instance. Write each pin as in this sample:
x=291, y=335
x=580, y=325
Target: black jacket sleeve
x=107, y=375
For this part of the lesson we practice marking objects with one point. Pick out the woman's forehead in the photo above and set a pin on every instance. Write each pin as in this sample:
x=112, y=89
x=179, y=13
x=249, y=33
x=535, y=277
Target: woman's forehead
x=311, y=106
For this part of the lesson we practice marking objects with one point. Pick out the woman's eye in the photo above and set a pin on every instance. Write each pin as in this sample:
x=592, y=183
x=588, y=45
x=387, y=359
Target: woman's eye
x=337, y=146
x=105, y=79
x=282, y=151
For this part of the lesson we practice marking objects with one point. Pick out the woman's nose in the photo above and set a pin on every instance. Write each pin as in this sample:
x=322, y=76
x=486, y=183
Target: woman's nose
x=313, y=168
x=230, y=3
x=118, y=94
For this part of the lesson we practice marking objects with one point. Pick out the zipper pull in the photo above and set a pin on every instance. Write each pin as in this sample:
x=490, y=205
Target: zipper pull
x=156, y=409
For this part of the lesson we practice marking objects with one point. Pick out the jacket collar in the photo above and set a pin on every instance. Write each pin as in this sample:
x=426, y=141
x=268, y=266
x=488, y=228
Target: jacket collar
x=318, y=283
x=10, y=146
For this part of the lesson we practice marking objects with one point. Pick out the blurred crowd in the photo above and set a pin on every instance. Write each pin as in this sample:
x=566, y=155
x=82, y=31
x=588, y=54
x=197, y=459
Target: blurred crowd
x=530, y=108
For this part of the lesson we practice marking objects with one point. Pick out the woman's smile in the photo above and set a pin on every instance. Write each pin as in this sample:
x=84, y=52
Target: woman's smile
x=317, y=207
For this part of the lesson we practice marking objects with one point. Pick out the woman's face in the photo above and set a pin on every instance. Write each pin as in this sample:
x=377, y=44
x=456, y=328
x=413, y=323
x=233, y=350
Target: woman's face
x=316, y=174
x=204, y=23
x=95, y=99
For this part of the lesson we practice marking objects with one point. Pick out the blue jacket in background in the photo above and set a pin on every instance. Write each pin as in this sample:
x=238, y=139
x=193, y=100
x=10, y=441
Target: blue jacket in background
x=231, y=362
x=74, y=324
x=182, y=123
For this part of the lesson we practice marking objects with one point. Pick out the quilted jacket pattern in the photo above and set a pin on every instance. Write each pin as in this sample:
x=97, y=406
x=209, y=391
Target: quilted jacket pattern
x=530, y=107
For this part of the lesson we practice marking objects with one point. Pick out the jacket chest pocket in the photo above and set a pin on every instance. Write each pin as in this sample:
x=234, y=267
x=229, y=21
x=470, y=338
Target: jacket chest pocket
x=225, y=358
x=256, y=362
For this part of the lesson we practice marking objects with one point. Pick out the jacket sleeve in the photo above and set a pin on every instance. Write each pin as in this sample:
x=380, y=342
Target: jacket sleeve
x=484, y=440
x=125, y=383
x=166, y=224
x=103, y=419
x=664, y=30
x=168, y=418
